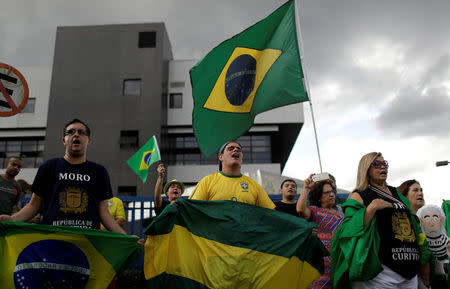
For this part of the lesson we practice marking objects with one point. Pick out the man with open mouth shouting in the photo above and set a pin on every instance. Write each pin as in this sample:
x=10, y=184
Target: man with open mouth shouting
x=229, y=183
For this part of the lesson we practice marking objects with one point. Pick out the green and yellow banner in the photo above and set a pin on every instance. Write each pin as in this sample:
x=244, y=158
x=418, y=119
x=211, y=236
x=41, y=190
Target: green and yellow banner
x=226, y=244
x=43, y=256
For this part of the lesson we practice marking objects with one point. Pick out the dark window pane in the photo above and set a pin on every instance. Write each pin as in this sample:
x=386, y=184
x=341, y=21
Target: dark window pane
x=13, y=146
x=147, y=39
x=132, y=87
x=41, y=145
x=129, y=139
x=29, y=146
x=126, y=191
x=177, y=84
x=176, y=100
x=39, y=161
x=28, y=162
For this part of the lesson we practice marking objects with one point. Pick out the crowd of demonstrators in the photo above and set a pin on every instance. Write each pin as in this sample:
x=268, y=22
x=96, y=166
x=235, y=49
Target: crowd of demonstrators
x=380, y=243
x=60, y=181
x=322, y=211
x=173, y=190
x=10, y=190
x=288, y=203
x=375, y=242
x=229, y=183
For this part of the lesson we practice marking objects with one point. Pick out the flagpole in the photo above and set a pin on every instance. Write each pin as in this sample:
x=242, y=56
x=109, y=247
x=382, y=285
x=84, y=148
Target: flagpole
x=305, y=79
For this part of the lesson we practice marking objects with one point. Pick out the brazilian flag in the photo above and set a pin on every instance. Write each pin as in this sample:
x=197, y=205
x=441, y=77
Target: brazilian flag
x=252, y=72
x=230, y=245
x=141, y=161
x=43, y=256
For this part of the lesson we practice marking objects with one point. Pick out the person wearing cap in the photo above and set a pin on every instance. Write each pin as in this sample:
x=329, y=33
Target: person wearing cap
x=173, y=190
x=229, y=183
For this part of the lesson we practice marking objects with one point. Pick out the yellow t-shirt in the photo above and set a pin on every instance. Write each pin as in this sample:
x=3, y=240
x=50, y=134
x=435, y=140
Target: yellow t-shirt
x=219, y=186
x=115, y=207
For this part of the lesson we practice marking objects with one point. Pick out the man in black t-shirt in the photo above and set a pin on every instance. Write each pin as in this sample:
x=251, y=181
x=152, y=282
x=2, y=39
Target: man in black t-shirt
x=288, y=204
x=71, y=191
x=173, y=190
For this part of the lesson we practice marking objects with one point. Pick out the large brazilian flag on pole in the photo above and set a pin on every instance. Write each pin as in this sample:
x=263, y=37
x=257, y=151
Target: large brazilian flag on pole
x=43, y=256
x=230, y=245
x=252, y=72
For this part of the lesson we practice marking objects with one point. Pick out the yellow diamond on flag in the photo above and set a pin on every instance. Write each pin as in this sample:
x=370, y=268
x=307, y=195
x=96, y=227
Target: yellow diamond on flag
x=237, y=84
x=146, y=157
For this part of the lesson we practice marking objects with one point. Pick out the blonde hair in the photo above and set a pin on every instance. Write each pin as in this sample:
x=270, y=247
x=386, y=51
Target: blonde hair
x=362, y=179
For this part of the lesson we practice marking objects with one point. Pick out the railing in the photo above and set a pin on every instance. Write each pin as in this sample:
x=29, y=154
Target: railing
x=140, y=210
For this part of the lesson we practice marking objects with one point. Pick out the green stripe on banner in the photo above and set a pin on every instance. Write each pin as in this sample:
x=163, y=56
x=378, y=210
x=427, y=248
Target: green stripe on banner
x=169, y=281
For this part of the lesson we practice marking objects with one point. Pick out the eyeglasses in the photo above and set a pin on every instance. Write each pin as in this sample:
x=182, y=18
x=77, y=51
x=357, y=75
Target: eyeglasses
x=329, y=192
x=378, y=164
x=72, y=131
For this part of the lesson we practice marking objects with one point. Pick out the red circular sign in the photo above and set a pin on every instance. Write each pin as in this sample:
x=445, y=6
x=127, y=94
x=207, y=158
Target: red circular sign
x=13, y=90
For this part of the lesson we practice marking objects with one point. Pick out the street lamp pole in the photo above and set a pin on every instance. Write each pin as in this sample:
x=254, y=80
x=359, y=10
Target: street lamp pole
x=441, y=163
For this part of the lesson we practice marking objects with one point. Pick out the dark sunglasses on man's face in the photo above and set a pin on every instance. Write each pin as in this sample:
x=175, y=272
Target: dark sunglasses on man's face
x=72, y=131
x=378, y=164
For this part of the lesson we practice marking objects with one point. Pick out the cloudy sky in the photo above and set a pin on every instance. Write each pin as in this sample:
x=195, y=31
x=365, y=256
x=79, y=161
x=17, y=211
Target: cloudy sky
x=378, y=71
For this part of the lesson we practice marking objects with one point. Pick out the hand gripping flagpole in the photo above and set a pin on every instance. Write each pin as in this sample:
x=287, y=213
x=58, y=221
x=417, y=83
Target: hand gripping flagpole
x=305, y=79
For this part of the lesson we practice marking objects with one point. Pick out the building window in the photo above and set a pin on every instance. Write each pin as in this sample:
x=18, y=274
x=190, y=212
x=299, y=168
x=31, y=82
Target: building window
x=177, y=84
x=29, y=108
x=132, y=87
x=129, y=139
x=257, y=149
x=31, y=150
x=176, y=100
x=126, y=191
x=147, y=39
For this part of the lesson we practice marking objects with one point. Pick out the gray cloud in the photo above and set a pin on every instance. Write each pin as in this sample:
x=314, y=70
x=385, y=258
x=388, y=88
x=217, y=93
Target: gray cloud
x=421, y=110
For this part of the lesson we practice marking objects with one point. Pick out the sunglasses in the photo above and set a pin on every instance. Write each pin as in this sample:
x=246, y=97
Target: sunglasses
x=379, y=164
x=72, y=131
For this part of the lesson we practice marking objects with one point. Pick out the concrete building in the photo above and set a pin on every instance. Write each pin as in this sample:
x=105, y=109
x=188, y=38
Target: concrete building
x=122, y=81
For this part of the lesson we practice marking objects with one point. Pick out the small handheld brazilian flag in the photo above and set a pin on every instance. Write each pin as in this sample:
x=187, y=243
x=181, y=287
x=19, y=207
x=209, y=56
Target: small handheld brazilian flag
x=141, y=161
x=257, y=70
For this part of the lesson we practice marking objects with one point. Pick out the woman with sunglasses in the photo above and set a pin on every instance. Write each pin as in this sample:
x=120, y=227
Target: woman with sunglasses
x=323, y=211
x=379, y=244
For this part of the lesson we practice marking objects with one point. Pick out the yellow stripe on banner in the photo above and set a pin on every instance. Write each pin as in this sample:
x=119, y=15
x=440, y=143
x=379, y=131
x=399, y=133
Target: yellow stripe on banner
x=221, y=266
x=101, y=272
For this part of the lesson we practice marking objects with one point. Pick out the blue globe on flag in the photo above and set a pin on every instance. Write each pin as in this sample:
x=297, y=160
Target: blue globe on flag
x=51, y=264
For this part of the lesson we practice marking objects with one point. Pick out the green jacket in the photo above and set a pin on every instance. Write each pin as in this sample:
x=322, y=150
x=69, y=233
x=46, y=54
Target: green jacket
x=354, y=248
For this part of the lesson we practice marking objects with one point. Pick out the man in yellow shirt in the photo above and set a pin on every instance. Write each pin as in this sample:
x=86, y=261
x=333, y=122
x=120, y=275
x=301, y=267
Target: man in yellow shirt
x=115, y=207
x=229, y=183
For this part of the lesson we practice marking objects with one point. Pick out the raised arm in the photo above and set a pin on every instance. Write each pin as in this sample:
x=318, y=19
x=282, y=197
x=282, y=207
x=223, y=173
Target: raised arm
x=158, y=186
x=302, y=208
x=27, y=212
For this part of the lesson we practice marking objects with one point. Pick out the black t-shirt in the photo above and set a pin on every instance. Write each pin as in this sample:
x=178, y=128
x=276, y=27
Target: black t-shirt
x=71, y=193
x=163, y=206
x=287, y=208
x=398, y=245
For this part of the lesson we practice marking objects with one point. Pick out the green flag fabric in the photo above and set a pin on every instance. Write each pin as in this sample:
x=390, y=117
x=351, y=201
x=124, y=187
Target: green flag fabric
x=446, y=209
x=141, y=161
x=229, y=245
x=252, y=72
x=43, y=256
